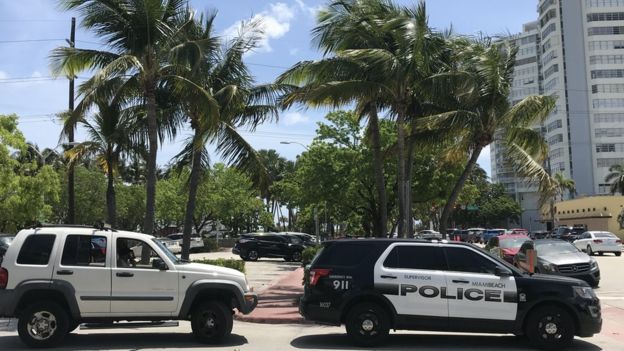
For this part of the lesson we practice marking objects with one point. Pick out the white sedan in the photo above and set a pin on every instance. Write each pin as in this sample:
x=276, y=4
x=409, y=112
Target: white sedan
x=599, y=242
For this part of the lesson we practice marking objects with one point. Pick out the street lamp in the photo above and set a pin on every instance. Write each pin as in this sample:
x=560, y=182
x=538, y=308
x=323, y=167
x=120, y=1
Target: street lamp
x=294, y=142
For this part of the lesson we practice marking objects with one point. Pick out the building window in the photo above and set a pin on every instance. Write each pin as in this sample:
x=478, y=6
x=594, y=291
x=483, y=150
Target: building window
x=556, y=153
x=606, y=45
x=552, y=13
x=551, y=28
x=551, y=84
x=605, y=147
x=606, y=59
x=552, y=69
x=604, y=3
x=555, y=139
x=608, y=103
x=554, y=125
x=608, y=88
x=611, y=30
x=604, y=189
x=607, y=73
x=548, y=57
x=608, y=117
x=526, y=61
x=609, y=132
x=608, y=162
x=605, y=16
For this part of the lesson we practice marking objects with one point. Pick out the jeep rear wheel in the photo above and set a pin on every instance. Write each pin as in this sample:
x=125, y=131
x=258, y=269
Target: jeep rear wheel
x=367, y=324
x=211, y=322
x=43, y=324
x=550, y=328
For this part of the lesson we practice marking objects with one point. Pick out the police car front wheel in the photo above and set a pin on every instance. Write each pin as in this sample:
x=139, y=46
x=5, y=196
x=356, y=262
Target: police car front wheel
x=367, y=324
x=550, y=328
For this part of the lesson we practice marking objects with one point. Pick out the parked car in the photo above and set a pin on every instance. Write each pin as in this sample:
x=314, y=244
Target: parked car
x=5, y=242
x=251, y=247
x=509, y=244
x=307, y=239
x=476, y=234
x=559, y=257
x=171, y=245
x=490, y=233
x=428, y=234
x=539, y=234
x=197, y=242
x=518, y=231
x=599, y=242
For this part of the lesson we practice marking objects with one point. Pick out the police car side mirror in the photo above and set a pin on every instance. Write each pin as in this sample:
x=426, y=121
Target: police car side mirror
x=502, y=272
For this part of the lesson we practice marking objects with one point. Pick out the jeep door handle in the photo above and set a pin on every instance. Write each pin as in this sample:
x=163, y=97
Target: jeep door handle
x=460, y=281
x=125, y=274
x=388, y=277
x=65, y=272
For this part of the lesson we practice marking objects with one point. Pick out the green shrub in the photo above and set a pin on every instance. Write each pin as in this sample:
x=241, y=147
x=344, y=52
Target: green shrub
x=228, y=263
x=210, y=245
x=308, y=254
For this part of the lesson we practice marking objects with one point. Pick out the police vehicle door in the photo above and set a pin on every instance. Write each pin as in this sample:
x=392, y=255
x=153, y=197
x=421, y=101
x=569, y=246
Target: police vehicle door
x=412, y=277
x=474, y=290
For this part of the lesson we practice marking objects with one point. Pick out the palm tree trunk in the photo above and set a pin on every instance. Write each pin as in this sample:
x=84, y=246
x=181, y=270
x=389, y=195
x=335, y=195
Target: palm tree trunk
x=401, y=175
x=408, y=187
x=190, y=204
x=378, y=168
x=111, y=206
x=150, y=177
x=446, y=212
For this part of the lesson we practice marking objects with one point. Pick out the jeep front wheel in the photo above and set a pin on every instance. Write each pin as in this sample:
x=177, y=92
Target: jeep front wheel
x=43, y=324
x=211, y=322
x=368, y=324
x=550, y=328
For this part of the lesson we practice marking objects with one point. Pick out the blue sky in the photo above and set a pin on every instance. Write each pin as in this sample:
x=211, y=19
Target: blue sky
x=30, y=29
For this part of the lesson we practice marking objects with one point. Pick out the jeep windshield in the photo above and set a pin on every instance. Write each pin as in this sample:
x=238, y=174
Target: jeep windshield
x=167, y=252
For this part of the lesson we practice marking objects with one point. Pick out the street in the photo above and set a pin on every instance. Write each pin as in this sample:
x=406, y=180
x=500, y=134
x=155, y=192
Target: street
x=252, y=336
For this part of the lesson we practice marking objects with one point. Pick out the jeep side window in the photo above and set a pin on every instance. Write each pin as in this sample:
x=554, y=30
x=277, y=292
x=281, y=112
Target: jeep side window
x=416, y=257
x=84, y=250
x=465, y=260
x=36, y=249
x=130, y=254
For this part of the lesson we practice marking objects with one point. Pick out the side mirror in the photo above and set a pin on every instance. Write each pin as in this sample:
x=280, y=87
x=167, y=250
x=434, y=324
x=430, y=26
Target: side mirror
x=502, y=272
x=159, y=264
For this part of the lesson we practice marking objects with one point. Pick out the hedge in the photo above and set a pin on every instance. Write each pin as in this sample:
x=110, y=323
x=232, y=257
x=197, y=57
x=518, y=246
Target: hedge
x=228, y=263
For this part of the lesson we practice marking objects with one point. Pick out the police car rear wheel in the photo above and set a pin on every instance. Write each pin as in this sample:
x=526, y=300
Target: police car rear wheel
x=550, y=328
x=367, y=324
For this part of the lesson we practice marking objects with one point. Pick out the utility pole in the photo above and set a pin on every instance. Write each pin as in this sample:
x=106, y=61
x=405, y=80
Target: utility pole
x=71, y=208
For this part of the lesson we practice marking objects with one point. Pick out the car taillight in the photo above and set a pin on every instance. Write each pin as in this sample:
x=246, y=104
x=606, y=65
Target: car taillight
x=618, y=241
x=4, y=278
x=317, y=273
x=598, y=241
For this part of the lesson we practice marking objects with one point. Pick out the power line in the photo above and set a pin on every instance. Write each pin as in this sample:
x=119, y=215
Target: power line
x=29, y=40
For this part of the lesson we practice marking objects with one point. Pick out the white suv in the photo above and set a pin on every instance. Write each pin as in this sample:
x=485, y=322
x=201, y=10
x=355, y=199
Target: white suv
x=55, y=277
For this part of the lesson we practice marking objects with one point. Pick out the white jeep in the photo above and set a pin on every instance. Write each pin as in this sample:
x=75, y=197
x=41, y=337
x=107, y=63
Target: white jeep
x=53, y=278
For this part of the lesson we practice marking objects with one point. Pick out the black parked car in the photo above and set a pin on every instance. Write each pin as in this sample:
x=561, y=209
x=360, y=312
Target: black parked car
x=251, y=247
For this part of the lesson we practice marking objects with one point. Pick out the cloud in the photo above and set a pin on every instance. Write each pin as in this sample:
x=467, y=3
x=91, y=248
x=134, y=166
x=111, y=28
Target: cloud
x=293, y=118
x=4, y=75
x=311, y=11
x=274, y=24
x=293, y=51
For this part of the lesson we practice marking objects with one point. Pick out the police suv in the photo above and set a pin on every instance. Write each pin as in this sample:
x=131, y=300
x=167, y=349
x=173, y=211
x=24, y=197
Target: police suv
x=375, y=285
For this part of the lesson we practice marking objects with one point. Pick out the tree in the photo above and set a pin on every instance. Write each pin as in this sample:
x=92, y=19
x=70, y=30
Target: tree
x=220, y=78
x=109, y=138
x=141, y=36
x=481, y=90
x=552, y=188
x=616, y=178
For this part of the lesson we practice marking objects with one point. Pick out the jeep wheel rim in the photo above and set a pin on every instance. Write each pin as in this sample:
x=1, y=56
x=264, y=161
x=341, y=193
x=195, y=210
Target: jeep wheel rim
x=208, y=323
x=253, y=255
x=42, y=325
x=550, y=328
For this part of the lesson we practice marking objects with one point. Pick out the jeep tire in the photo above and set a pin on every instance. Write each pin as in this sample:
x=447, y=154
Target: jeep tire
x=211, y=321
x=550, y=328
x=368, y=324
x=43, y=324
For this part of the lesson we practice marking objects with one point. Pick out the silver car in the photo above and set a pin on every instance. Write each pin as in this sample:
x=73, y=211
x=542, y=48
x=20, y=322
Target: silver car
x=599, y=242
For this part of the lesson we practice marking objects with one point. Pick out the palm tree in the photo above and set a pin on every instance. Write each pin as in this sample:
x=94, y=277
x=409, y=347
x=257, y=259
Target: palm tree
x=551, y=188
x=383, y=53
x=616, y=178
x=140, y=35
x=233, y=101
x=480, y=89
x=109, y=134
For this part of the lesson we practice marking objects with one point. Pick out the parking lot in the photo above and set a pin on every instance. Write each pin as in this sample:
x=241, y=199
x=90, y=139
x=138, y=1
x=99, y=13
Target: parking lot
x=251, y=336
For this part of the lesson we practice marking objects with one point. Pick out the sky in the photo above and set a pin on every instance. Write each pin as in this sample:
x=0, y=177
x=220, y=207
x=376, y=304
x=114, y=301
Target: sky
x=30, y=29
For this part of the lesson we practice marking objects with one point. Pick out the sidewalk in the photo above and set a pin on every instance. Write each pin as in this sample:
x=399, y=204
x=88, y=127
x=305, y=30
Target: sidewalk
x=278, y=304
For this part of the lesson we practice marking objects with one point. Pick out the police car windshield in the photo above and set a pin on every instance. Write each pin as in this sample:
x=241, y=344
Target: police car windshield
x=554, y=247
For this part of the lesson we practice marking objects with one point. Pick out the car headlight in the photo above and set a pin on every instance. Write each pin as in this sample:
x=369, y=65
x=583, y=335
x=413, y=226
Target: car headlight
x=549, y=267
x=584, y=292
x=593, y=263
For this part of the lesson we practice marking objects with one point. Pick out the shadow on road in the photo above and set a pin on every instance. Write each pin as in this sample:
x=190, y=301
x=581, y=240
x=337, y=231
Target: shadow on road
x=429, y=342
x=129, y=341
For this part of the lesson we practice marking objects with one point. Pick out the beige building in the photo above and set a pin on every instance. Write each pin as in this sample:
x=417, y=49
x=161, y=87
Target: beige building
x=596, y=212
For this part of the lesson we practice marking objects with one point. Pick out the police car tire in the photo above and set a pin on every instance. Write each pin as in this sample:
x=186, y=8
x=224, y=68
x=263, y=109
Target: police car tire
x=367, y=315
x=550, y=328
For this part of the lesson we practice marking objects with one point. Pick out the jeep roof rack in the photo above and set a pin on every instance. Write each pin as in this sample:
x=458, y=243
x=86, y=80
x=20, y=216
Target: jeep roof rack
x=96, y=225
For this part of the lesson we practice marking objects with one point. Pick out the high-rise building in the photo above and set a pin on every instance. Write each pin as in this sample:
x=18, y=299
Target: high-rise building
x=580, y=60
